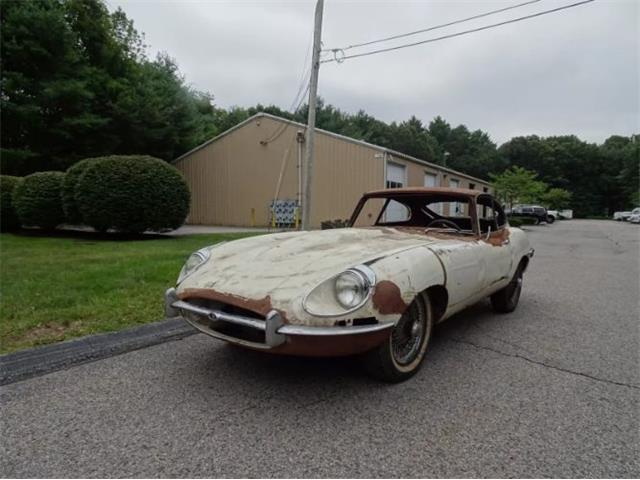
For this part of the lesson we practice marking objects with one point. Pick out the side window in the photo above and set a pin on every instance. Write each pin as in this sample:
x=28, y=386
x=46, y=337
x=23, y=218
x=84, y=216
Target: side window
x=395, y=212
x=490, y=214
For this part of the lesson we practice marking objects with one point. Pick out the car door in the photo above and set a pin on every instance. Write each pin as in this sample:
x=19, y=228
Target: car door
x=495, y=245
x=465, y=269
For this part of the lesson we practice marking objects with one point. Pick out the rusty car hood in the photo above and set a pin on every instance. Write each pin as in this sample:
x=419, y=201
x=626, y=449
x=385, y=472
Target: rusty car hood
x=283, y=265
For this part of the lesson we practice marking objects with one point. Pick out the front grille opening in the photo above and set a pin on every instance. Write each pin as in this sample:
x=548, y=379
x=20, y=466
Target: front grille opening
x=243, y=312
x=225, y=307
x=356, y=322
x=365, y=321
x=238, y=331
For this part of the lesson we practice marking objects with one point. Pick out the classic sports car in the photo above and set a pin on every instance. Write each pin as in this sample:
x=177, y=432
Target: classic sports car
x=411, y=258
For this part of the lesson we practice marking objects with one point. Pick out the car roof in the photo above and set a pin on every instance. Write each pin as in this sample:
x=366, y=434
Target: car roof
x=392, y=192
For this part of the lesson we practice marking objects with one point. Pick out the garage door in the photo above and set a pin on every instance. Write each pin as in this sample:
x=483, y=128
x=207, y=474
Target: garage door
x=454, y=208
x=396, y=178
x=431, y=180
x=395, y=175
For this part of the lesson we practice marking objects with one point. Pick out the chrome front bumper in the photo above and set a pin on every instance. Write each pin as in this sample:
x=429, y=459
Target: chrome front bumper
x=273, y=326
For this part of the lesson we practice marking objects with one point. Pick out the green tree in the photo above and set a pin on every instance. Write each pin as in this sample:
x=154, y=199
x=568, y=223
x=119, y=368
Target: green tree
x=556, y=198
x=517, y=185
x=76, y=83
x=622, y=154
x=601, y=178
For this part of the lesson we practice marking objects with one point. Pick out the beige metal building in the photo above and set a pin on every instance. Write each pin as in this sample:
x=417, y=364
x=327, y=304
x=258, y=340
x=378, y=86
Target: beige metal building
x=235, y=176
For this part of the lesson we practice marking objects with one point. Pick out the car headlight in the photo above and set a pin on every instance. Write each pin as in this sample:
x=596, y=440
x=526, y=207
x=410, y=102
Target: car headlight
x=351, y=288
x=340, y=294
x=195, y=260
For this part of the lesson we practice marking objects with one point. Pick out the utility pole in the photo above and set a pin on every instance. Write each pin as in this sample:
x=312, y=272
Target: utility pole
x=311, y=119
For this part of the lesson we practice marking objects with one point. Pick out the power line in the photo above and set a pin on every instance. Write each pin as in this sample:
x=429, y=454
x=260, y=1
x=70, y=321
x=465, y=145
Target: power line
x=297, y=100
x=395, y=37
x=457, y=34
x=280, y=130
x=306, y=70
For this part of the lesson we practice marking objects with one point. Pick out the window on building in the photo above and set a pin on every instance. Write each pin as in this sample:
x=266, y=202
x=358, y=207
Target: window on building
x=456, y=209
x=431, y=180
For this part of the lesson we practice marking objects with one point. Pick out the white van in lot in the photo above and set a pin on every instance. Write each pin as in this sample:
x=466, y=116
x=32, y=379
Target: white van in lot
x=621, y=216
x=635, y=215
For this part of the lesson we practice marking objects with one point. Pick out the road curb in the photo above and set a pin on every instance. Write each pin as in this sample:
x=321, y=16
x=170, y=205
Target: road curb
x=49, y=358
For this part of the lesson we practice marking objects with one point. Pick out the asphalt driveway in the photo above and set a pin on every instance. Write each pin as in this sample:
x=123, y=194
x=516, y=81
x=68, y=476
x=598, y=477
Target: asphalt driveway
x=550, y=390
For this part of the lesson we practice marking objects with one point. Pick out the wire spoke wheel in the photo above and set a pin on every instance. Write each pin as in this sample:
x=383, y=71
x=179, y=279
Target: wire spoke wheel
x=407, y=336
x=506, y=300
x=517, y=288
x=400, y=356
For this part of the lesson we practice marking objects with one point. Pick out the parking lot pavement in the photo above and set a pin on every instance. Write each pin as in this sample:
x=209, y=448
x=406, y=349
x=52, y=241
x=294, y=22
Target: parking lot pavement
x=550, y=390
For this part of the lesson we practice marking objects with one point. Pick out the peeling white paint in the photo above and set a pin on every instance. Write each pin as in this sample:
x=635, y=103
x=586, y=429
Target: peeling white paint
x=284, y=267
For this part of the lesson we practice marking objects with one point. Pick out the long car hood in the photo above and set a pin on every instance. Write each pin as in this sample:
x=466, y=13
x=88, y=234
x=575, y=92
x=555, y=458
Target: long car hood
x=284, y=265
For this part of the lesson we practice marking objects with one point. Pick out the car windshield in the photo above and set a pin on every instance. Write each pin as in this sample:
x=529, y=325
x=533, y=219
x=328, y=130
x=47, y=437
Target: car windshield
x=449, y=212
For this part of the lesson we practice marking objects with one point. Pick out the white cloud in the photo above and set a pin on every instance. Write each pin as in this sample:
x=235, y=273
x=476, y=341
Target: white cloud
x=575, y=71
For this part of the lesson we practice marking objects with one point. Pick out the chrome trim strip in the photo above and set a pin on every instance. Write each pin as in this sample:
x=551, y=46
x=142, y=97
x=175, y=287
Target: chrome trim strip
x=218, y=315
x=226, y=338
x=274, y=327
x=170, y=297
x=332, y=331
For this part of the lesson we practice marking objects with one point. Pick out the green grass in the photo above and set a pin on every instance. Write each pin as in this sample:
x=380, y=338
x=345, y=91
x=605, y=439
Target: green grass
x=55, y=288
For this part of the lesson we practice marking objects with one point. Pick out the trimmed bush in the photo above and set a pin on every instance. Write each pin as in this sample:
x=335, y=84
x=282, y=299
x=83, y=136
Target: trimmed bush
x=69, y=183
x=132, y=194
x=8, y=217
x=37, y=200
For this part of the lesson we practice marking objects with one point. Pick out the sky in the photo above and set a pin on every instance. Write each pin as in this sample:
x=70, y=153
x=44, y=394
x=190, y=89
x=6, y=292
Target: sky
x=571, y=72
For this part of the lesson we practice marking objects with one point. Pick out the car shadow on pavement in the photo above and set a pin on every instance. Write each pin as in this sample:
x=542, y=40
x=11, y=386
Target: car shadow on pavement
x=245, y=365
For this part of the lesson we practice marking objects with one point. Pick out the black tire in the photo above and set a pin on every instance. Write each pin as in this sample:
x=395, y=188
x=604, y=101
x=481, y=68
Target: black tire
x=400, y=357
x=536, y=221
x=551, y=219
x=506, y=300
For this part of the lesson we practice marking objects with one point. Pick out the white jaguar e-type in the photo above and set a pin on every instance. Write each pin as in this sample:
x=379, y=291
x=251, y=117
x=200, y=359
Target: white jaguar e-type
x=411, y=258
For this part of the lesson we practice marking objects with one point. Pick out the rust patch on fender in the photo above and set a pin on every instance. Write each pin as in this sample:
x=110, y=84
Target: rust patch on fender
x=387, y=298
x=497, y=239
x=260, y=306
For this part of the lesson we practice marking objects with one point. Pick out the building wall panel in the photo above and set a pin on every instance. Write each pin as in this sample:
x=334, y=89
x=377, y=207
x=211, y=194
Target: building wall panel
x=237, y=175
x=343, y=171
x=234, y=178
